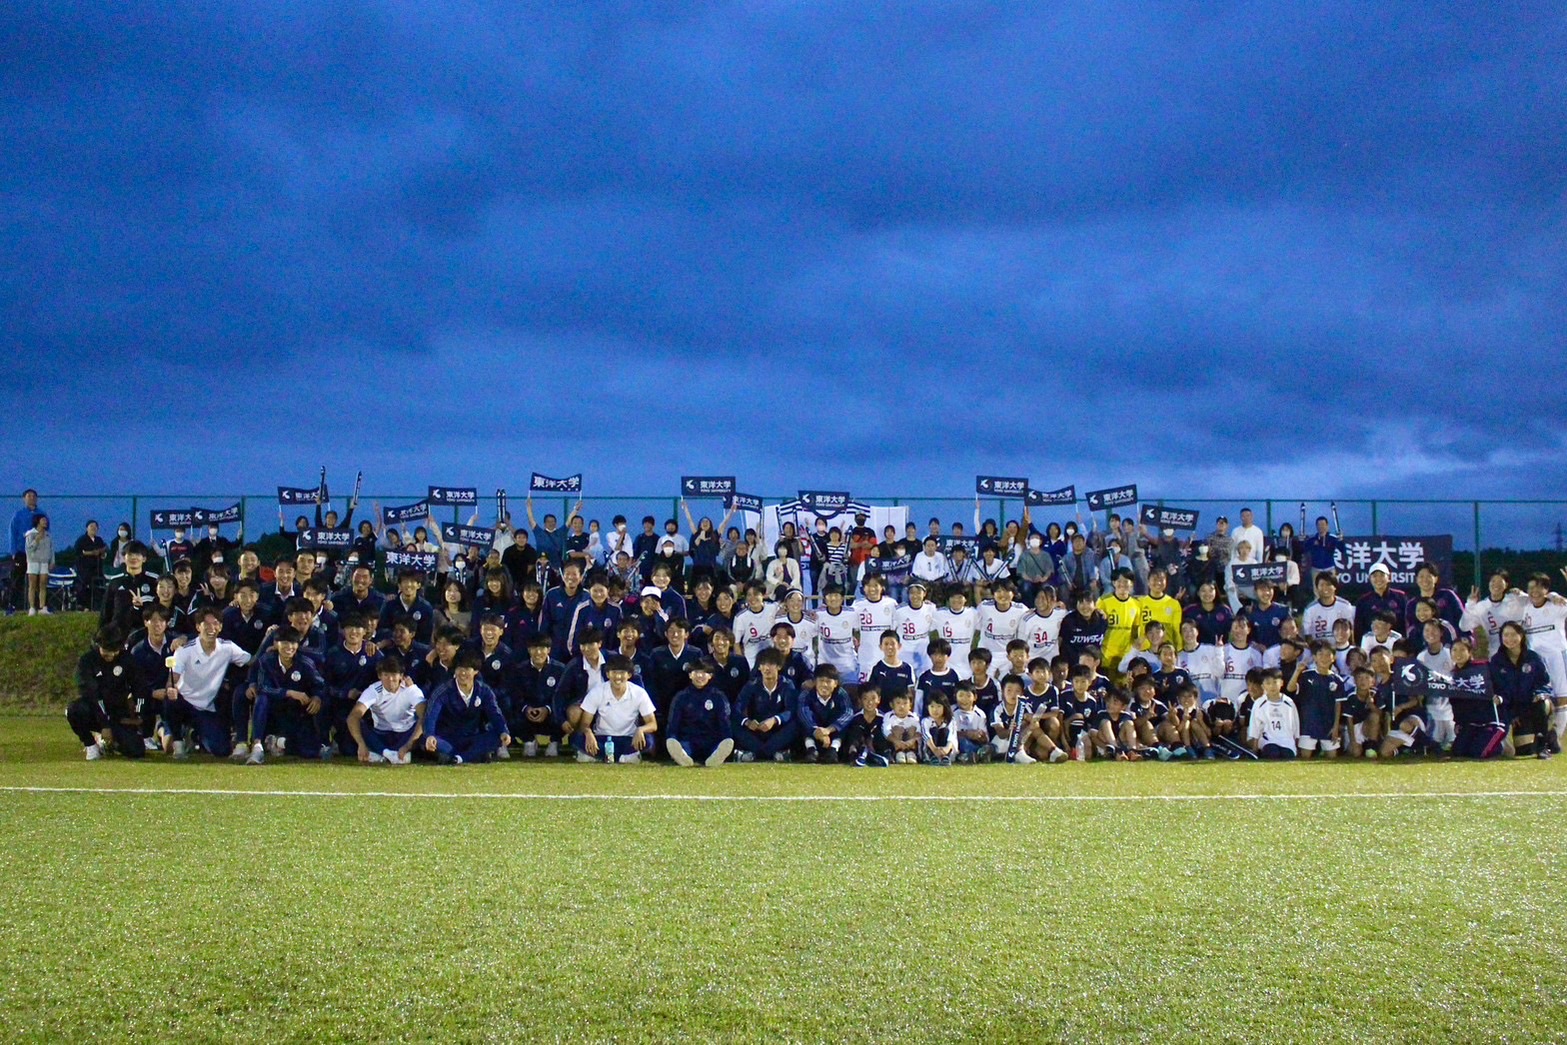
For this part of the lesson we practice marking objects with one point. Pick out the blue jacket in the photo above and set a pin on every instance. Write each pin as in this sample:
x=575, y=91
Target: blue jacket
x=449, y=715
x=421, y=611
x=1519, y=685
x=814, y=714
x=345, y=672
x=700, y=714
x=665, y=676
x=559, y=611
x=272, y=680
x=21, y=522
x=757, y=705
x=551, y=543
x=605, y=618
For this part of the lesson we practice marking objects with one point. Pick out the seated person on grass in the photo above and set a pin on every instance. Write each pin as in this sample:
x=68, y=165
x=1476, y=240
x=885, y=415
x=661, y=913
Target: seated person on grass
x=616, y=716
x=699, y=731
x=396, y=709
x=863, y=743
x=764, y=713
x=106, y=714
x=464, y=723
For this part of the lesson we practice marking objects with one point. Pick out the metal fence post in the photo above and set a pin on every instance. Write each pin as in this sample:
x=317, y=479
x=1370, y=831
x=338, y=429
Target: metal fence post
x=1477, y=544
x=1268, y=506
x=1375, y=532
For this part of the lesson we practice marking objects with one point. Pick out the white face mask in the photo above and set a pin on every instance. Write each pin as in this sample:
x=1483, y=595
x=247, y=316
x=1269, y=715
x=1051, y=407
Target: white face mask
x=1035, y=543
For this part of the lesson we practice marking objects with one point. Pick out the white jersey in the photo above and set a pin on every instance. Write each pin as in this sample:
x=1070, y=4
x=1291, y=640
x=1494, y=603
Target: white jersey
x=1275, y=722
x=805, y=635
x=392, y=712
x=875, y=618
x=1042, y=633
x=1237, y=662
x=836, y=634
x=1491, y=615
x=914, y=627
x=1369, y=641
x=1317, y=623
x=201, y=673
x=959, y=630
x=753, y=630
x=997, y=627
x=1543, y=625
x=1205, y=665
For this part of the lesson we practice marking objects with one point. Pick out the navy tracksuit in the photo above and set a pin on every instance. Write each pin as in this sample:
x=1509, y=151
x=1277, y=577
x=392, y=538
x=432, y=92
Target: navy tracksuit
x=111, y=696
x=700, y=720
x=278, y=715
x=468, y=728
x=530, y=687
x=346, y=675
x=757, y=704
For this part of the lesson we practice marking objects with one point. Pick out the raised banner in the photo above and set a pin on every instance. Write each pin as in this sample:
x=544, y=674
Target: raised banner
x=742, y=502
x=1173, y=518
x=707, y=485
x=970, y=545
x=824, y=502
x=416, y=512
x=325, y=540
x=171, y=518
x=1114, y=497
x=1001, y=486
x=207, y=516
x=876, y=564
x=549, y=484
x=298, y=495
x=423, y=562
x=1037, y=498
x=1403, y=556
x=1252, y=572
x=455, y=496
x=467, y=536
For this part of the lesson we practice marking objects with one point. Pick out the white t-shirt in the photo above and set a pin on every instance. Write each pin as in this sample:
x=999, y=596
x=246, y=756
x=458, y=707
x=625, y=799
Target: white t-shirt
x=1543, y=625
x=617, y=716
x=753, y=628
x=1043, y=634
x=1317, y=622
x=889, y=722
x=1237, y=662
x=1275, y=722
x=1484, y=613
x=959, y=630
x=201, y=673
x=837, y=641
x=998, y=627
x=930, y=567
x=805, y=632
x=1251, y=533
x=875, y=618
x=392, y=712
x=1205, y=665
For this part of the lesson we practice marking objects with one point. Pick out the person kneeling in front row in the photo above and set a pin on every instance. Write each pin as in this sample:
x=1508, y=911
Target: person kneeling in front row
x=107, y=712
x=616, y=716
x=396, y=708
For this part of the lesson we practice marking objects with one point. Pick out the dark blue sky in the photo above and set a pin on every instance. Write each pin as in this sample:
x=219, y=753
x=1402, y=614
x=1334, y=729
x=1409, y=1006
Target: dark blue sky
x=1216, y=248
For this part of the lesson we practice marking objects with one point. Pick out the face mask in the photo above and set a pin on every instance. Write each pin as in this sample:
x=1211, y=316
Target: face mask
x=1035, y=543
x=124, y=532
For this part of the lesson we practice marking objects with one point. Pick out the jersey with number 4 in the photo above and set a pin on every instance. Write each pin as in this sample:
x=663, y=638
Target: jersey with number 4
x=997, y=627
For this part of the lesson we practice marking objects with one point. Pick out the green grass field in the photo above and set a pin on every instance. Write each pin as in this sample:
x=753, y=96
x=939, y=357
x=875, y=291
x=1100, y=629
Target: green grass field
x=557, y=901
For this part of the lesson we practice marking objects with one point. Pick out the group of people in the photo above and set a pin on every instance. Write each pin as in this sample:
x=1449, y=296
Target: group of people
x=676, y=658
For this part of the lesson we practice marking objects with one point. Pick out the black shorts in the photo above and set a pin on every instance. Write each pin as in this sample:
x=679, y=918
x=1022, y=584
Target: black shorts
x=1220, y=711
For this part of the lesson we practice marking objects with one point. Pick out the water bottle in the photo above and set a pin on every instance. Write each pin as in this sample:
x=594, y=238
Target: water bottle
x=609, y=750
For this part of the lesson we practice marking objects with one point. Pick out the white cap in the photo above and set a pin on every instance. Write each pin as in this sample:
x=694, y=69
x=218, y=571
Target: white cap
x=1381, y=567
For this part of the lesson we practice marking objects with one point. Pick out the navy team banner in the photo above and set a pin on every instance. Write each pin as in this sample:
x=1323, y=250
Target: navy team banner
x=549, y=484
x=298, y=495
x=423, y=562
x=1115, y=497
x=707, y=485
x=899, y=565
x=206, y=516
x=1252, y=572
x=1402, y=555
x=406, y=513
x=455, y=496
x=1037, y=498
x=467, y=536
x=1173, y=518
x=324, y=539
x=742, y=502
x=970, y=545
x=825, y=502
x=171, y=518
x=1001, y=486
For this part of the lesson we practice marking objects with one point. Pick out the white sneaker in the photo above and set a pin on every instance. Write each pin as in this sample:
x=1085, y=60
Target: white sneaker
x=745, y=756
x=1057, y=755
x=387, y=754
x=241, y=749
x=179, y=751
x=779, y=756
x=583, y=756
x=376, y=759
x=274, y=746
x=553, y=751
x=93, y=752
x=154, y=743
x=530, y=749
x=1023, y=758
x=32, y=611
x=503, y=752
x=44, y=612
x=631, y=759
x=721, y=753
x=678, y=752
x=258, y=754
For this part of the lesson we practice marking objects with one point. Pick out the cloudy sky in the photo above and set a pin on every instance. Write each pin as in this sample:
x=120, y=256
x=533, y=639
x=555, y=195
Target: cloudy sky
x=1214, y=248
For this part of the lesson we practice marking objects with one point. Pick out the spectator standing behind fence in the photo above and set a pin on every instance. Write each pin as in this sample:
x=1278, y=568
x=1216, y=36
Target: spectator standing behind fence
x=40, y=558
x=21, y=523
x=90, y=554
